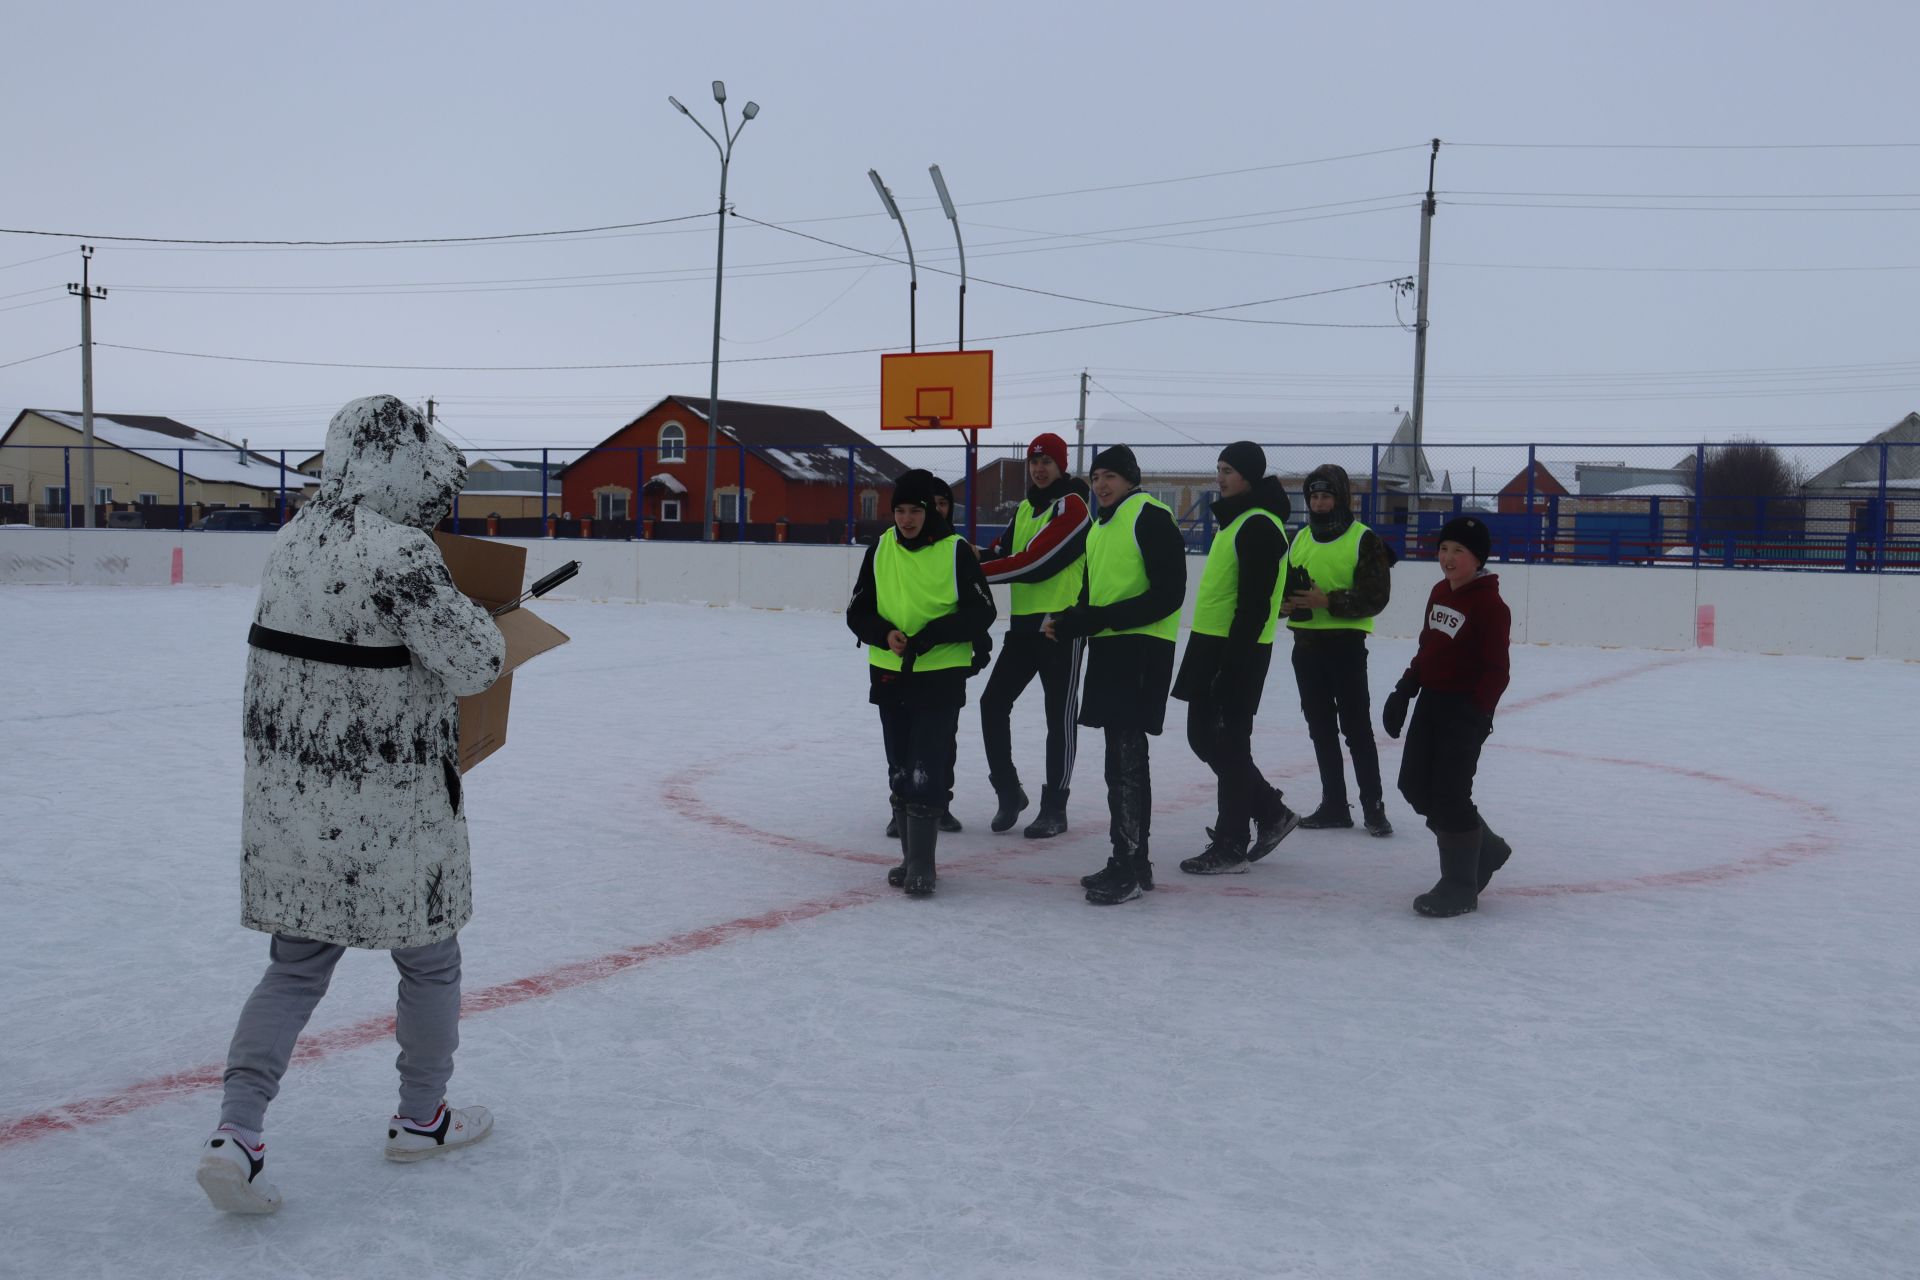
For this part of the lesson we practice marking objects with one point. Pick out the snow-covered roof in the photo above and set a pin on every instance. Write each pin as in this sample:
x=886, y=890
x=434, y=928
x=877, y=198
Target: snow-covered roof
x=173, y=444
x=666, y=480
x=1645, y=491
x=1906, y=483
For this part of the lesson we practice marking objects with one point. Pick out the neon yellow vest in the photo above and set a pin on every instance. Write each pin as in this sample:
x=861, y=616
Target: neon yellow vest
x=1331, y=566
x=911, y=589
x=1219, y=592
x=1117, y=571
x=1062, y=590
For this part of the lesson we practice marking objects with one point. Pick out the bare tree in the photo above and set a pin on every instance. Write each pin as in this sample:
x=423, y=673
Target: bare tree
x=1748, y=486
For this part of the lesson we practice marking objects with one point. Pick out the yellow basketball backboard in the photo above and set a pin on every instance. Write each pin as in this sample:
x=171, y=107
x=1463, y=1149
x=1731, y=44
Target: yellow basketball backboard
x=936, y=389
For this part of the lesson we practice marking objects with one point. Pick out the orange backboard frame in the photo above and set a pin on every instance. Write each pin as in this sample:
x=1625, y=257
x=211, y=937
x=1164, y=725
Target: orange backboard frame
x=943, y=389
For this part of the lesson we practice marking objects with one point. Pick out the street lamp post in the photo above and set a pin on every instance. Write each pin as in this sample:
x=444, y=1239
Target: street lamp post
x=747, y=113
x=913, y=272
x=973, y=436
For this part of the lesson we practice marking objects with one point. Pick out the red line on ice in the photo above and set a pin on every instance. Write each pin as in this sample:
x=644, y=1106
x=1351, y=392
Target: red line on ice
x=358, y=1035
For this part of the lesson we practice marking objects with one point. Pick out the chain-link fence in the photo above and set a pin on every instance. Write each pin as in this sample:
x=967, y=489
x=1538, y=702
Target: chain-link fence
x=1730, y=505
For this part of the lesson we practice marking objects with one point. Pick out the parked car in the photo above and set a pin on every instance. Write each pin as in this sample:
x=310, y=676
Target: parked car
x=243, y=519
x=126, y=520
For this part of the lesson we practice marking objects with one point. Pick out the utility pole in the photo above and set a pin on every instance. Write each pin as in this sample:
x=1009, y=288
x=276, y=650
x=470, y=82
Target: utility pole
x=1080, y=450
x=86, y=293
x=1420, y=339
x=430, y=403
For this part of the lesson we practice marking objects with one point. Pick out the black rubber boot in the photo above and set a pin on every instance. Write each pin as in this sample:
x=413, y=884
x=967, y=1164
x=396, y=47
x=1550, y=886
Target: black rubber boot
x=1331, y=813
x=1374, y=816
x=1052, y=818
x=922, y=825
x=1274, y=823
x=897, y=876
x=947, y=821
x=1013, y=802
x=1494, y=853
x=1458, y=889
x=1221, y=857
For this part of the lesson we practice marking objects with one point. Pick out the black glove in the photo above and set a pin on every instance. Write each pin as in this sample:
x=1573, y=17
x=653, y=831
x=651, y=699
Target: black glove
x=1070, y=624
x=982, y=654
x=1394, y=714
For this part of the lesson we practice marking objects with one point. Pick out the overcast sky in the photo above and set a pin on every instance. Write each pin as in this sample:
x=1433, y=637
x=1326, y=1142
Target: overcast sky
x=1742, y=281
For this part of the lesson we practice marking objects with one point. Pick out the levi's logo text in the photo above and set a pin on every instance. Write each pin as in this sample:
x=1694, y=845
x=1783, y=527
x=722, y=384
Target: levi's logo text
x=1441, y=618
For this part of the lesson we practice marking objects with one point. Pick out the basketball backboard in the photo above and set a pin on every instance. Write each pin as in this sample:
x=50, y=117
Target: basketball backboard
x=936, y=389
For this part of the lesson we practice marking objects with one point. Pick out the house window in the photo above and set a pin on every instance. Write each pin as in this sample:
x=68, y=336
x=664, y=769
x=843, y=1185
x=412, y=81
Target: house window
x=56, y=495
x=673, y=443
x=102, y=494
x=869, y=505
x=6, y=494
x=149, y=500
x=724, y=508
x=610, y=504
x=670, y=510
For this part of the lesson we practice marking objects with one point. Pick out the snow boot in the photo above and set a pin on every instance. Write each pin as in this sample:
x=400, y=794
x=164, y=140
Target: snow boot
x=229, y=1172
x=1013, y=801
x=1374, y=816
x=947, y=821
x=1103, y=875
x=1457, y=891
x=1272, y=825
x=450, y=1127
x=922, y=825
x=1127, y=877
x=897, y=875
x=1052, y=818
x=1494, y=853
x=1331, y=813
x=1221, y=857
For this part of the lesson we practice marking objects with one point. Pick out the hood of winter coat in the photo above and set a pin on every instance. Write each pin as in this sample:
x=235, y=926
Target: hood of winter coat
x=382, y=455
x=1267, y=494
x=1334, y=524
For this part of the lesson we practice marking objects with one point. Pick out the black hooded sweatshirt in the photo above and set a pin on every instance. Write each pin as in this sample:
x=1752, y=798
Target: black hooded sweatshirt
x=1262, y=550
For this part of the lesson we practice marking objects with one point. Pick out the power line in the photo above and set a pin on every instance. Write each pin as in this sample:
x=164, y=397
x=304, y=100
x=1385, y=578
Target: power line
x=357, y=244
x=1697, y=195
x=1689, y=146
x=1684, y=208
x=27, y=262
x=1137, y=409
x=42, y=356
x=1097, y=302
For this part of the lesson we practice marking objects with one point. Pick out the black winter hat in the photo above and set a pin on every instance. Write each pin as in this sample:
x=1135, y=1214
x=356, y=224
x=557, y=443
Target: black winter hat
x=941, y=489
x=914, y=489
x=1471, y=533
x=1119, y=460
x=1246, y=457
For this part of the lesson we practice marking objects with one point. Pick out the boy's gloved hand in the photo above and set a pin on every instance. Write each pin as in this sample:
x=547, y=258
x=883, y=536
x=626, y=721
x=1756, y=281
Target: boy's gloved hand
x=1394, y=714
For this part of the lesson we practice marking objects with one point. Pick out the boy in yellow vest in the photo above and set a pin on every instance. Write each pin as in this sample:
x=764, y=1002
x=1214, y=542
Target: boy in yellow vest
x=1229, y=650
x=919, y=604
x=1337, y=581
x=1136, y=585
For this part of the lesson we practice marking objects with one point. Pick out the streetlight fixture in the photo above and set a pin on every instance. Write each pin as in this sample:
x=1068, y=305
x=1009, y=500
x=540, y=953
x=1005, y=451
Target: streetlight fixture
x=973, y=437
x=725, y=151
x=913, y=272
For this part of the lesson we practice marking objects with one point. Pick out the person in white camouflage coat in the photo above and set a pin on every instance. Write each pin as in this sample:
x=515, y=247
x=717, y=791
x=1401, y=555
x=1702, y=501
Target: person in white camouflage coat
x=352, y=828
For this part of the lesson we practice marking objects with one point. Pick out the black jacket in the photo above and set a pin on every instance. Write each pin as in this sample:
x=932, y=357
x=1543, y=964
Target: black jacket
x=1128, y=676
x=965, y=625
x=1234, y=666
x=1165, y=554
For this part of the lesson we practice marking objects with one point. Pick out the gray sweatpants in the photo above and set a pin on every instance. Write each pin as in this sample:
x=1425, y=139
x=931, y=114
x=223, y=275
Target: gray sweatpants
x=426, y=1022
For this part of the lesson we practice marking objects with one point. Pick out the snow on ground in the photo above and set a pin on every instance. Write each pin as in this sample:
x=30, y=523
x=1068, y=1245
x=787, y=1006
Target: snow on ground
x=1678, y=1039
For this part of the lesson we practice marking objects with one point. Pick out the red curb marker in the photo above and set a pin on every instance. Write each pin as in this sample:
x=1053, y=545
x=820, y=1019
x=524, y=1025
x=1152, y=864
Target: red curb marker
x=358, y=1035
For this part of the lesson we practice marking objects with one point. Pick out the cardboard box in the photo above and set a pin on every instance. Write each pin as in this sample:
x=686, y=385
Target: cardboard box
x=493, y=573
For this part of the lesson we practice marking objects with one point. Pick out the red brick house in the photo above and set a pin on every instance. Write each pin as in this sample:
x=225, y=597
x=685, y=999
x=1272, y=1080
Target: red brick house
x=1513, y=494
x=795, y=463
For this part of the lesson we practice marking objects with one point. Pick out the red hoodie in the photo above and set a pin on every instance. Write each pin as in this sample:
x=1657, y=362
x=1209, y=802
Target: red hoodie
x=1463, y=644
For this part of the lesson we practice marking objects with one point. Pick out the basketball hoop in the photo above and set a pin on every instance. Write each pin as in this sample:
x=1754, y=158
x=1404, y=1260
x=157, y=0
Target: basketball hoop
x=918, y=421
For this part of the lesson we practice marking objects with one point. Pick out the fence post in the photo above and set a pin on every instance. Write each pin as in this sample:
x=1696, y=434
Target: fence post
x=543, y=489
x=1699, y=500
x=180, y=474
x=66, y=483
x=740, y=498
x=639, y=488
x=1533, y=527
x=1883, y=523
x=1553, y=528
x=850, y=482
x=282, y=518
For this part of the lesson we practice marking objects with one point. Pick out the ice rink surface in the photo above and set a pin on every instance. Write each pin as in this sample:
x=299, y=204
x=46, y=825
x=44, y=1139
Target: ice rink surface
x=1679, y=1039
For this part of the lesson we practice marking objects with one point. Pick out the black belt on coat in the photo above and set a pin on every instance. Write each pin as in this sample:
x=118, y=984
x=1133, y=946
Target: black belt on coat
x=340, y=655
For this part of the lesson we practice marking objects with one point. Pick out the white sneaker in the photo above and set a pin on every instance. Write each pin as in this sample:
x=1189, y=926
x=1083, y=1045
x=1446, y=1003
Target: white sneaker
x=450, y=1127
x=230, y=1173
